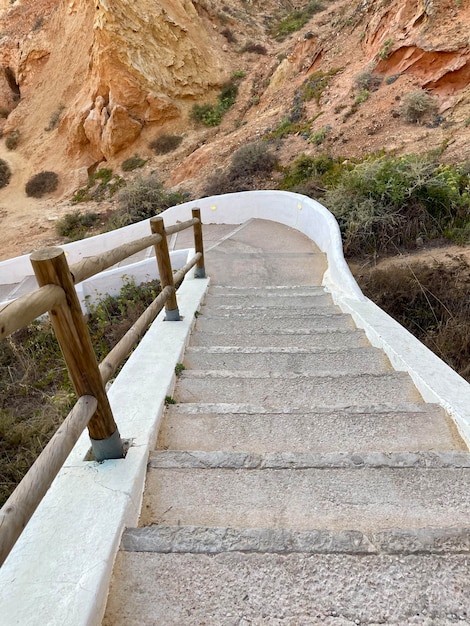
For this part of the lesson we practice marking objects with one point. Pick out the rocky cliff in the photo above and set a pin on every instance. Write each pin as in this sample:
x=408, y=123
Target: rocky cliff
x=86, y=82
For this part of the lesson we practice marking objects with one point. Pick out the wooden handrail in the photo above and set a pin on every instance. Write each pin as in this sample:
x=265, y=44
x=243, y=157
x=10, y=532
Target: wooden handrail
x=95, y=264
x=50, y=267
x=22, y=503
x=177, y=228
x=117, y=355
x=58, y=296
x=25, y=309
x=181, y=273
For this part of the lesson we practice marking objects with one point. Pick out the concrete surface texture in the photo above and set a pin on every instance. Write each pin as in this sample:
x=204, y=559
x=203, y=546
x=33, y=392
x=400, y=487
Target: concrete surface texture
x=298, y=479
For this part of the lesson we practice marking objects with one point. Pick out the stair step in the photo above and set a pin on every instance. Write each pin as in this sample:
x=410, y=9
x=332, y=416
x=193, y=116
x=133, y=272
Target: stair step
x=267, y=301
x=275, y=291
x=254, y=429
x=304, y=492
x=297, y=589
x=320, y=338
x=211, y=540
x=302, y=360
x=253, y=324
x=295, y=390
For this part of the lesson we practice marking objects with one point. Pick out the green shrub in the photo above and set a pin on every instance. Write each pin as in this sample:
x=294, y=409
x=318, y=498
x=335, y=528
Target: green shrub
x=211, y=114
x=384, y=203
x=75, y=225
x=133, y=163
x=417, y=105
x=42, y=184
x=319, y=137
x=295, y=20
x=313, y=87
x=5, y=173
x=141, y=199
x=12, y=140
x=384, y=52
x=101, y=185
x=165, y=143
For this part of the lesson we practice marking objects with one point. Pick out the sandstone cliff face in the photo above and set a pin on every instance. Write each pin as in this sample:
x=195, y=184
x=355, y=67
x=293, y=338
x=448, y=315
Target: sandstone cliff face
x=114, y=67
x=114, y=73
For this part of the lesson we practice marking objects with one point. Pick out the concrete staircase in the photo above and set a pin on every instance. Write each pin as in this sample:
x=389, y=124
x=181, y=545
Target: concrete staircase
x=298, y=479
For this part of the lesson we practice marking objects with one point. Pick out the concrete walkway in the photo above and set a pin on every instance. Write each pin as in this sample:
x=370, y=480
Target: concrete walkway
x=299, y=479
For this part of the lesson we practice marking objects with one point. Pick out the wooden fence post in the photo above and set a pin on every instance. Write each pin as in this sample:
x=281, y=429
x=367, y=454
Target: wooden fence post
x=198, y=244
x=165, y=269
x=50, y=267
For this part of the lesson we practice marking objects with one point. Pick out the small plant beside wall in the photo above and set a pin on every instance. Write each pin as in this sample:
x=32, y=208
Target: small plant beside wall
x=76, y=225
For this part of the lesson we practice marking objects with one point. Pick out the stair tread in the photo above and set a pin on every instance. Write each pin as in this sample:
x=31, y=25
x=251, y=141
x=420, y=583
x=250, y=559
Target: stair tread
x=373, y=498
x=281, y=389
x=244, y=427
x=332, y=589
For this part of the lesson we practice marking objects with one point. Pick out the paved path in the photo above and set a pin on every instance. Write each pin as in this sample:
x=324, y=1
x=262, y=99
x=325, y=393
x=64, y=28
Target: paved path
x=299, y=479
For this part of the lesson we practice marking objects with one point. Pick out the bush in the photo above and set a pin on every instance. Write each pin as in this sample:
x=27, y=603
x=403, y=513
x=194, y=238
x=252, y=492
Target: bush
x=367, y=80
x=12, y=140
x=431, y=302
x=254, y=48
x=211, y=114
x=417, y=105
x=165, y=143
x=42, y=184
x=133, y=163
x=384, y=203
x=75, y=225
x=5, y=173
x=101, y=184
x=295, y=20
x=141, y=199
x=248, y=164
x=55, y=118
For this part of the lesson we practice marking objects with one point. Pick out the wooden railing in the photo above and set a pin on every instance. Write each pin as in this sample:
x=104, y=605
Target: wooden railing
x=57, y=296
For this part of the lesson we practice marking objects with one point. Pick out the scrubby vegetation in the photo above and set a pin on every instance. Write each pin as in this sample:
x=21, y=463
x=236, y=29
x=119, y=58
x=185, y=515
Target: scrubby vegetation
x=102, y=185
x=75, y=225
x=249, y=163
x=165, y=143
x=5, y=173
x=133, y=163
x=418, y=105
x=12, y=140
x=212, y=114
x=141, y=199
x=35, y=392
x=383, y=203
x=41, y=184
x=295, y=20
x=431, y=301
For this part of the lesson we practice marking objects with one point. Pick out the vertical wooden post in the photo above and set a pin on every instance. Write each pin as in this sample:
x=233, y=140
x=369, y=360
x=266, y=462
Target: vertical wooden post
x=50, y=267
x=164, y=268
x=198, y=245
